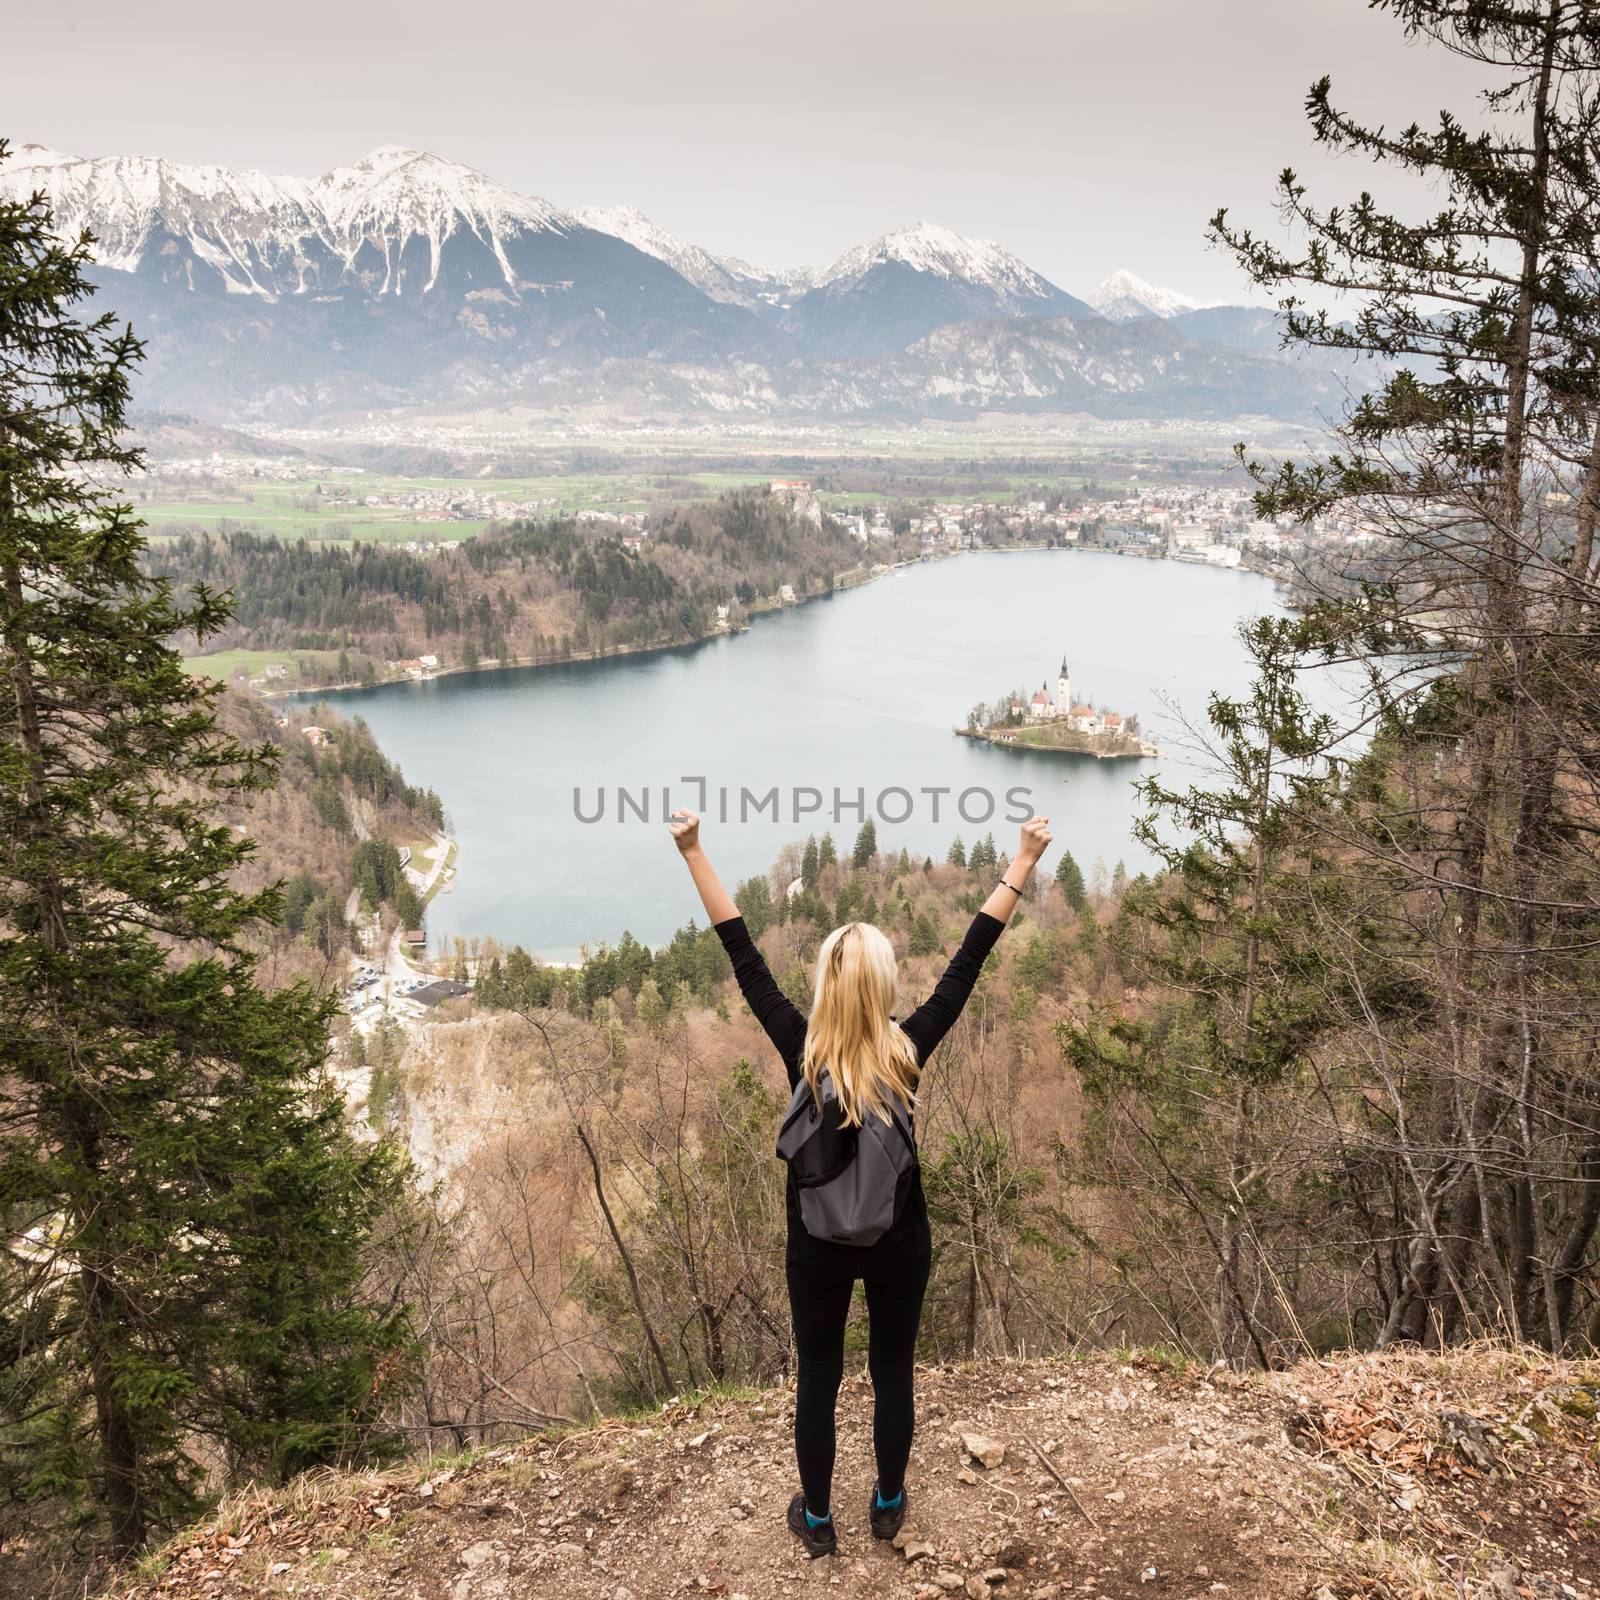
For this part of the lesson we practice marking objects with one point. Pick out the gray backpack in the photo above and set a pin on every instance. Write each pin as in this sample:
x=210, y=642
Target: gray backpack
x=851, y=1181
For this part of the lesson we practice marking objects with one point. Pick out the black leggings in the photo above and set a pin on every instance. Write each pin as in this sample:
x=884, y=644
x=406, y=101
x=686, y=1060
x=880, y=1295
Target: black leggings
x=821, y=1280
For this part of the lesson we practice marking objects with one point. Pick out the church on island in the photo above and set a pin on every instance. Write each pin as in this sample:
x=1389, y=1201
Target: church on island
x=1078, y=718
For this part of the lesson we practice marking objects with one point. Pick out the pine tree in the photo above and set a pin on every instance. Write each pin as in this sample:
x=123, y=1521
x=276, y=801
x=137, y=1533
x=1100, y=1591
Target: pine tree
x=866, y=844
x=171, y=1150
x=408, y=905
x=924, y=940
x=1476, y=461
x=827, y=854
x=1069, y=875
x=958, y=854
x=1227, y=932
x=809, y=864
x=754, y=900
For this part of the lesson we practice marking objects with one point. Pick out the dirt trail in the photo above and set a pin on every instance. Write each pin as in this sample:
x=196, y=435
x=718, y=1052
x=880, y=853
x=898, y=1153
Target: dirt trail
x=1397, y=1476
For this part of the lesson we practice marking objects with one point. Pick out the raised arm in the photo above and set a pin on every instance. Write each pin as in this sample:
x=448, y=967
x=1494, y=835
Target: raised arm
x=935, y=1017
x=778, y=1015
x=1003, y=898
x=685, y=829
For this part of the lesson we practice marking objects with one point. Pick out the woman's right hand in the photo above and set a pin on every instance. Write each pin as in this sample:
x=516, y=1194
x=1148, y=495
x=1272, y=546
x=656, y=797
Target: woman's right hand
x=685, y=829
x=1036, y=837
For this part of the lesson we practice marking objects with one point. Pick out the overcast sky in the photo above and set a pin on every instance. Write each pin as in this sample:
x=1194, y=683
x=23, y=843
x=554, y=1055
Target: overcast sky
x=1084, y=135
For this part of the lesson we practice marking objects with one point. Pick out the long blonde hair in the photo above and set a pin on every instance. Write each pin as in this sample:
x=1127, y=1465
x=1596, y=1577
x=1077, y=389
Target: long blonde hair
x=851, y=1032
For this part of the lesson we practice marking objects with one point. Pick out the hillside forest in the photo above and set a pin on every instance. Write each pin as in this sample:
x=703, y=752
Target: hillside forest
x=520, y=593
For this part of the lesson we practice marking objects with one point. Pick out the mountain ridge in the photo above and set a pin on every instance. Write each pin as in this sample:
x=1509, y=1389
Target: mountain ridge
x=408, y=279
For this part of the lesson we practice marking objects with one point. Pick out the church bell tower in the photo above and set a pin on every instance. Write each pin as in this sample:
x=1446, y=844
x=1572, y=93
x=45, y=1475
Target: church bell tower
x=1064, y=689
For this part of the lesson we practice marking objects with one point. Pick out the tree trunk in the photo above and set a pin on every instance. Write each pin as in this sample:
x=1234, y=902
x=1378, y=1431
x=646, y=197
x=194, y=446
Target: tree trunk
x=658, y=1355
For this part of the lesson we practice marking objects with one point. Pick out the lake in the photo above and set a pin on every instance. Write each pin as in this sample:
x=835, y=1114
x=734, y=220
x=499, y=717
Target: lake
x=859, y=691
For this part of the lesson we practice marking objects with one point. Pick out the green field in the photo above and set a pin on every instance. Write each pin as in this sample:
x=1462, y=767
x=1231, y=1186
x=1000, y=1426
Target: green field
x=547, y=474
x=295, y=511
x=280, y=512
x=228, y=664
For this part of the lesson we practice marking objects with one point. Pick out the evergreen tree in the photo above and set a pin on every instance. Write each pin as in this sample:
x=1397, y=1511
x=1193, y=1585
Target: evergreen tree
x=809, y=864
x=958, y=854
x=754, y=900
x=654, y=1011
x=375, y=869
x=1473, y=616
x=168, y=1141
x=1041, y=963
x=1229, y=934
x=827, y=855
x=1069, y=875
x=407, y=903
x=866, y=844
x=924, y=940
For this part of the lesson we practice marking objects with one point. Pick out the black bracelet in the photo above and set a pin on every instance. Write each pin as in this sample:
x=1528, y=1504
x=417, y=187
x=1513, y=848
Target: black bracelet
x=1013, y=888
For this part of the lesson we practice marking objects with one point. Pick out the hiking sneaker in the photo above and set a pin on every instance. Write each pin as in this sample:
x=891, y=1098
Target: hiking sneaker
x=820, y=1540
x=886, y=1520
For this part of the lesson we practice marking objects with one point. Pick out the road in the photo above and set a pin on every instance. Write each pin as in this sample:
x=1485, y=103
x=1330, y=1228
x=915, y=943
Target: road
x=394, y=966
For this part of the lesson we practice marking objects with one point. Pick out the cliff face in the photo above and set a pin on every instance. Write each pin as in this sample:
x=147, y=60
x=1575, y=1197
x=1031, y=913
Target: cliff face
x=463, y=1087
x=1474, y=1476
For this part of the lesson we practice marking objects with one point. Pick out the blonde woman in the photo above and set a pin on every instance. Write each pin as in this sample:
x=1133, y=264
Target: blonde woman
x=872, y=1059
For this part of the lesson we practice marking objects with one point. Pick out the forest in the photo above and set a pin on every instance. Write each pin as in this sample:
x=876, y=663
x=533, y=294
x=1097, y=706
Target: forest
x=332, y=823
x=523, y=593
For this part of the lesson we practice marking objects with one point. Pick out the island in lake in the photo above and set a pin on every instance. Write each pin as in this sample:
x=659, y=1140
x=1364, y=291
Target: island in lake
x=1060, y=723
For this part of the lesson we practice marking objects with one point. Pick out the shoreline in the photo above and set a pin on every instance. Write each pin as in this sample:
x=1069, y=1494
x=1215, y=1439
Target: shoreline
x=578, y=657
x=1145, y=752
x=869, y=576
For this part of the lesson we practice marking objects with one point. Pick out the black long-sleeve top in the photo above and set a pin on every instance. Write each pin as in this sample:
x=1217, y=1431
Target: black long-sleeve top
x=785, y=1024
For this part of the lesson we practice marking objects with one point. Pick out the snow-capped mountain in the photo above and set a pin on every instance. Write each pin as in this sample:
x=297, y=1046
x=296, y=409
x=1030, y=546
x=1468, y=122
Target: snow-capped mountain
x=237, y=220
x=396, y=198
x=407, y=278
x=942, y=253
x=881, y=297
x=1124, y=297
x=265, y=234
x=349, y=288
x=733, y=282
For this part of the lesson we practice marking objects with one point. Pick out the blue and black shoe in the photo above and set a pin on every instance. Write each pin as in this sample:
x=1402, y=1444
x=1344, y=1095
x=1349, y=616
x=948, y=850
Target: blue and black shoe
x=886, y=1515
x=818, y=1537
